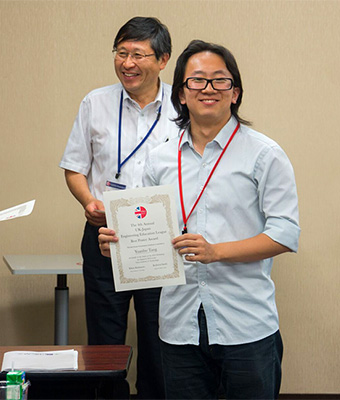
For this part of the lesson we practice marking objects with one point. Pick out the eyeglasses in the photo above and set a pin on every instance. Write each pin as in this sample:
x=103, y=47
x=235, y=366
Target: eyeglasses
x=198, y=83
x=123, y=55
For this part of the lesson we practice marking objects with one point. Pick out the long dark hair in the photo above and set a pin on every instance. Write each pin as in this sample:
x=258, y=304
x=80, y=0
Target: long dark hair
x=198, y=46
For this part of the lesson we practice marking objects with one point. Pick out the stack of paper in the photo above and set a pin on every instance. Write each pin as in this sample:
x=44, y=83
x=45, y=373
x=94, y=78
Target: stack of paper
x=40, y=360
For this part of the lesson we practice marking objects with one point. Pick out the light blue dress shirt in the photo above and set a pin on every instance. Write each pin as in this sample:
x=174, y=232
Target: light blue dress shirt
x=252, y=191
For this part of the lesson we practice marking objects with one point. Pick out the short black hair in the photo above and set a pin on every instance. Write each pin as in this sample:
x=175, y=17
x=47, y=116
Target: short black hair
x=146, y=28
x=194, y=47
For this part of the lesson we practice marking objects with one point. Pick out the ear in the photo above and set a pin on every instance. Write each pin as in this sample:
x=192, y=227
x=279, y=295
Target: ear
x=181, y=96
x=236, y=93
x=163, y=61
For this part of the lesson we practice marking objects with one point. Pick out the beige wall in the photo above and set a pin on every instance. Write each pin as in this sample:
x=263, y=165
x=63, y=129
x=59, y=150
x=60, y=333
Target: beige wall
x=54, y=52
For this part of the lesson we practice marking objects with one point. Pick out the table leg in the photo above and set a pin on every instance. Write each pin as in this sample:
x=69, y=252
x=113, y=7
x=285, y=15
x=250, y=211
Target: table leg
x=61, y=311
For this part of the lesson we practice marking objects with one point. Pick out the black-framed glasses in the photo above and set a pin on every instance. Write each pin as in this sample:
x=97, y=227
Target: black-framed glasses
x=198, y=83
x=136, y=56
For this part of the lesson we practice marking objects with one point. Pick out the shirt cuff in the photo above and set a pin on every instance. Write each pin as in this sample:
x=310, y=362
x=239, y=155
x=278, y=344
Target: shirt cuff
x=283, y=231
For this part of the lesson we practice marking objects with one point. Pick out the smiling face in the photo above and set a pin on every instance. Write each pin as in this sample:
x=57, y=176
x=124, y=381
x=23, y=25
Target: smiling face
x=139, y=78
x=209, y=105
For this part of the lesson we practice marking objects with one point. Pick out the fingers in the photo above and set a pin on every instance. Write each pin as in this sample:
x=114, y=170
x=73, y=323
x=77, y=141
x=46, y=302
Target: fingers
x=105, y=251
x=95, y=218
x=192, y=258
x=189, y=250
x=184, y=240
x=96, y=222
x=105, y=237
x=189, y=245
x=106, y=231
x=95, y=214
x=194, y=248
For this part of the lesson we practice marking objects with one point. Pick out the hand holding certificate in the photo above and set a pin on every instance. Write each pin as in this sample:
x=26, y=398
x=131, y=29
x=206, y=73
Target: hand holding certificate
x=145, y=222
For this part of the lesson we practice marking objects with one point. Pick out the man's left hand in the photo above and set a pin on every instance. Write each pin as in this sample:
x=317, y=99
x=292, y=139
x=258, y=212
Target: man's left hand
x=195, y=248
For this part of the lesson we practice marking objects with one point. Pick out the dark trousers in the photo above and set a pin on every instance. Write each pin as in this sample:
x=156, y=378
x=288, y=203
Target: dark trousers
x=107, y=311
x=249, y=371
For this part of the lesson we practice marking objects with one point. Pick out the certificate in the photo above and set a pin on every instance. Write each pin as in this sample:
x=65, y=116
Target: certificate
x=145, y=221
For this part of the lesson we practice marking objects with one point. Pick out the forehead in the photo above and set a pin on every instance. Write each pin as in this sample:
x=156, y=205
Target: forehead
x=206, y=63
x=133, y=45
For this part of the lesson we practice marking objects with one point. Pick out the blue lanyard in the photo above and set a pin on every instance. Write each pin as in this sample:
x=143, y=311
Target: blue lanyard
x=120, y=164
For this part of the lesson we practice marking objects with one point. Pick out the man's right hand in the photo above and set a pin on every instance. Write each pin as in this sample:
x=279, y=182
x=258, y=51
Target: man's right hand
x=94, y=213
x=78, y=185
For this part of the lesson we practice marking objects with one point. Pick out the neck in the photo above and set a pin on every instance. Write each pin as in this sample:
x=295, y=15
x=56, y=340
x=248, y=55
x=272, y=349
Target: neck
x=146, y=97
x=204, y=133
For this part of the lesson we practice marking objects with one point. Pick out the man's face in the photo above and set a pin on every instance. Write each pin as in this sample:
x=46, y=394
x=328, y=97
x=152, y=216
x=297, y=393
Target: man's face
x=139, y=77
x=208, y=104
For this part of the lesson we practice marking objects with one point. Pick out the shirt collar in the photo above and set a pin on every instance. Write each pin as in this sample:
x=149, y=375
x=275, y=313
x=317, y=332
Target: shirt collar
x=225, y=133
x=222, y=137
x=157, y=101
x=186, y=137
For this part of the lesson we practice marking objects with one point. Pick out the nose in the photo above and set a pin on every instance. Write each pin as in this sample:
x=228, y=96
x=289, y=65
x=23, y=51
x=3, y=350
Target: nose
x=129, y=61
x=209, y=88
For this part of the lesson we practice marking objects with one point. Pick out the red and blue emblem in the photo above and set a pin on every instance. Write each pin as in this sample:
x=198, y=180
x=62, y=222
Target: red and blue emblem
x=140, y=212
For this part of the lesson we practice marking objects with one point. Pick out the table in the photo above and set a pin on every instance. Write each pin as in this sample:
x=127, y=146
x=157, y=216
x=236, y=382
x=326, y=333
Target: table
x=61, y=265
x=102, y=372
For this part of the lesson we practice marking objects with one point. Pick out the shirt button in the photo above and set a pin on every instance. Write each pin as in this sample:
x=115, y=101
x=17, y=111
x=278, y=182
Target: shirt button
x=203, y=283
x=204, y=165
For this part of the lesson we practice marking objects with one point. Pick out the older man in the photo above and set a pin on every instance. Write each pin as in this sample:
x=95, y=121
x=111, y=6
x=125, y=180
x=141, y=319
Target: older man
x=114, y=131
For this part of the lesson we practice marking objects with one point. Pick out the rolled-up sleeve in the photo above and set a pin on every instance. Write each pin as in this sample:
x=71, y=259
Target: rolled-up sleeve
x=278, y=197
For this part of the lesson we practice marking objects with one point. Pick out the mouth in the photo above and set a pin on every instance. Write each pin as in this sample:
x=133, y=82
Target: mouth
x=208, y=101
x=130, y=74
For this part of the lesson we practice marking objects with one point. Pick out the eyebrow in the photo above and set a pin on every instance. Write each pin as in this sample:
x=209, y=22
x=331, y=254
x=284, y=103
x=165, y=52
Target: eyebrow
x=136, y=50
x=200, y=72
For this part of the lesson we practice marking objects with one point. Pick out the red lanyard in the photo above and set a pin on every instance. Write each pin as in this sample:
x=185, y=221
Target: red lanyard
x=185, y=218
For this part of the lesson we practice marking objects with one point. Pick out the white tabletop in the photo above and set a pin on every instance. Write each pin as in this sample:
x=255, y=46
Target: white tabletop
x=44, y=264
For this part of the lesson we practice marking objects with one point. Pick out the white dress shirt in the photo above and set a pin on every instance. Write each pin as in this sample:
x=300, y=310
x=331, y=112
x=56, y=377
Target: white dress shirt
x=252, y=191
x=92, y=148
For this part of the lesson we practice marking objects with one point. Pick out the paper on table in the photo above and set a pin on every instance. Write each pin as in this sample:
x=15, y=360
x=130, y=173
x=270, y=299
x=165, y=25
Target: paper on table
x=40, y=360
x=18, y=211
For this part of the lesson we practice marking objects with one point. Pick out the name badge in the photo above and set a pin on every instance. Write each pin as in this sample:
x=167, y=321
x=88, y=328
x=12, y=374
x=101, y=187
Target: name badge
x=114, y=185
